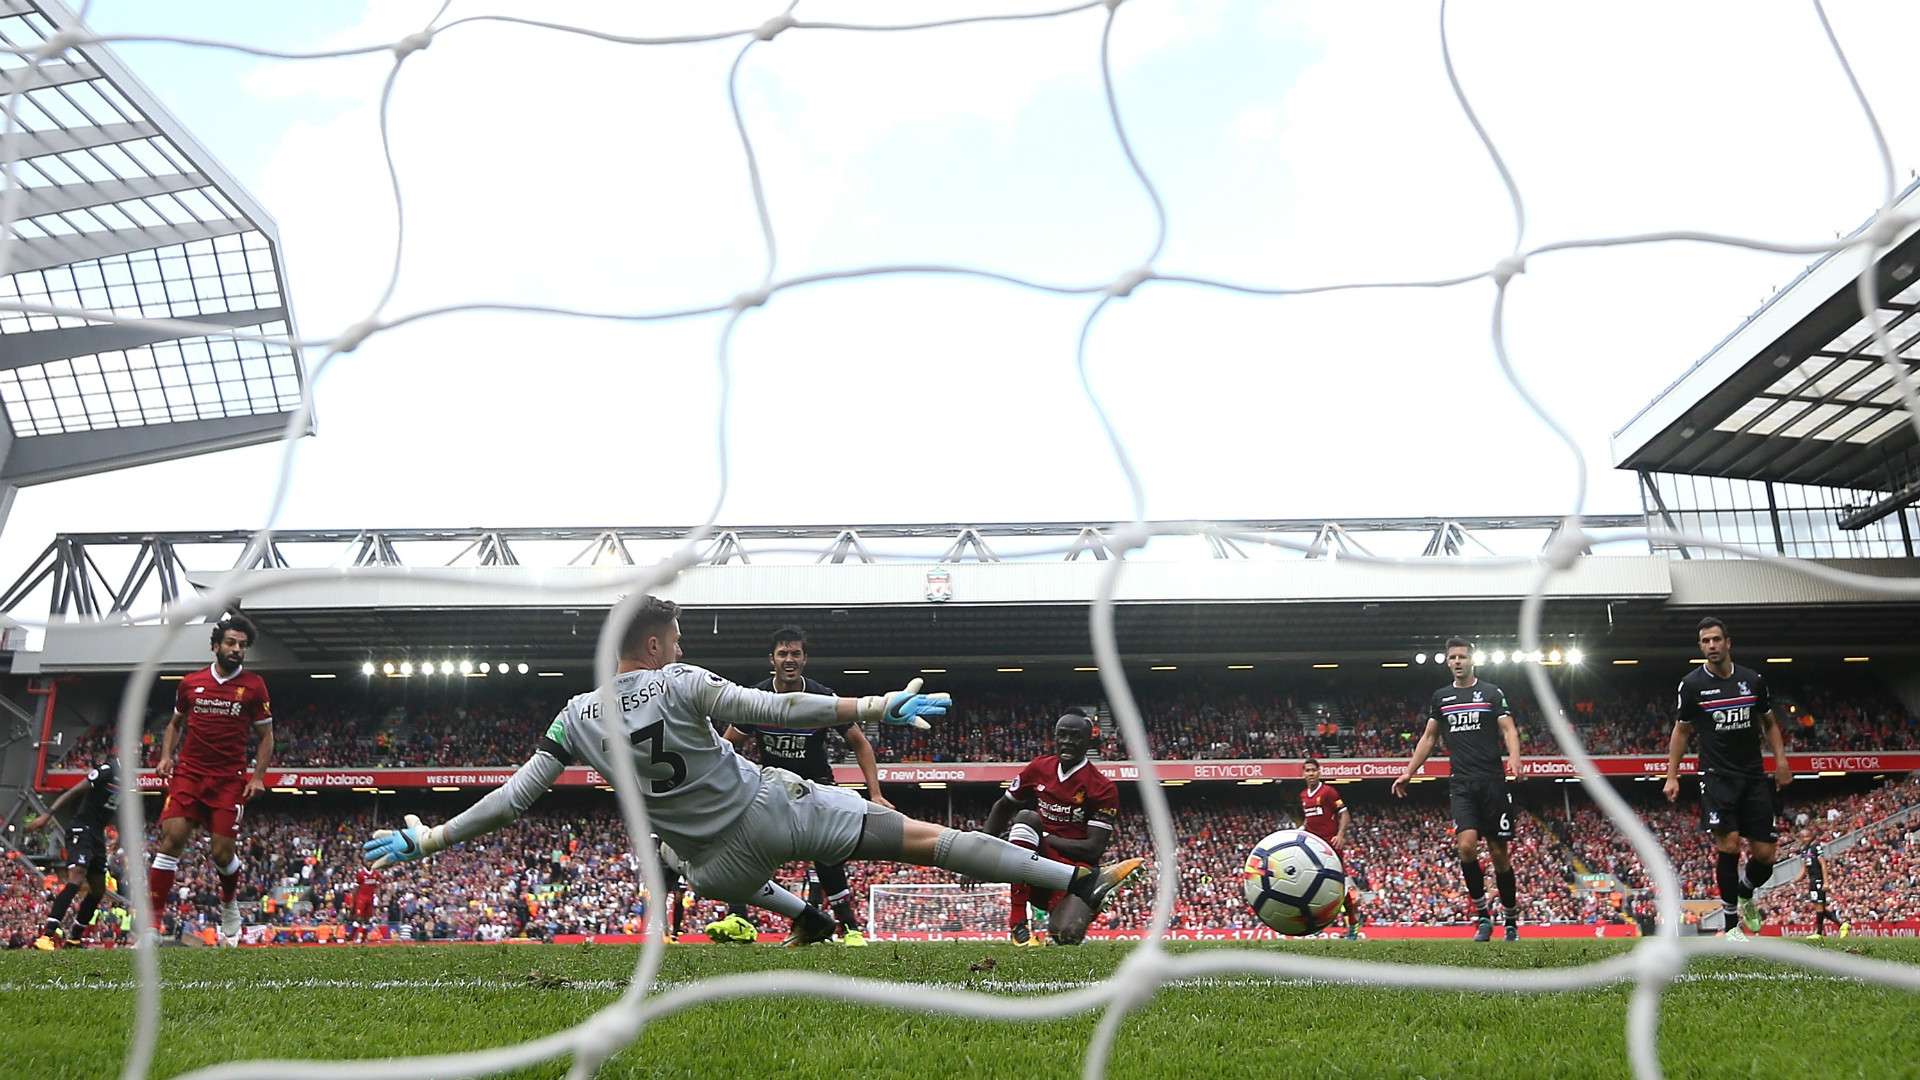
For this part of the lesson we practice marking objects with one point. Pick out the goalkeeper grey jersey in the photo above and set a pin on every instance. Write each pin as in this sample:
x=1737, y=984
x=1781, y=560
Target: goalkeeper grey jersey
x=694, y=784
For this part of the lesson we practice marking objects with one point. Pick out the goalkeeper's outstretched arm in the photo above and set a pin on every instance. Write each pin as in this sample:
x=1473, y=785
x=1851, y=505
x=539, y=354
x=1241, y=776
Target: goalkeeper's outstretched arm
x=496, y=808
x=735, y=704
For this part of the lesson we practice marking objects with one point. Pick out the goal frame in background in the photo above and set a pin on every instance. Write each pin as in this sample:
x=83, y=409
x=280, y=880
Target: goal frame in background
x=999, y=893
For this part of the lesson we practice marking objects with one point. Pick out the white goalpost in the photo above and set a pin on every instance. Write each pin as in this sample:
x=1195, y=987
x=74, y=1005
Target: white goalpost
x=932, y=912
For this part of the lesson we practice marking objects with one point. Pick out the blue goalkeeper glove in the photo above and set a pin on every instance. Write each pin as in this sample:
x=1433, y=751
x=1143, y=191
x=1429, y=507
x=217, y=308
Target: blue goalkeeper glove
x=416, y=841
x=905, y=708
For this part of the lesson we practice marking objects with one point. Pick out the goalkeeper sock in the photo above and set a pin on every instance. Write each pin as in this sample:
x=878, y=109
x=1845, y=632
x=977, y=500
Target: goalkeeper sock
x=776, y=899
x=160, y=884
x=1476, y=884
x=1509, y=892
x=229, y=879
x=989, y=858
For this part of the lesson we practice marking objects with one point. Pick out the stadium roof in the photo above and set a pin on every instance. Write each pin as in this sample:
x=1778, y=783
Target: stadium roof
x=1797, y=394
x=121, y=210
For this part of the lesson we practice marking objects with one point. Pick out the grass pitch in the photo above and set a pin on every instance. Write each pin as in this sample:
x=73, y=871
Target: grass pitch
x=67, y=1014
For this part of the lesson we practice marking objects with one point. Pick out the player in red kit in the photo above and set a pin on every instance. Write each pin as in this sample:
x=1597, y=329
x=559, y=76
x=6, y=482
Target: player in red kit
x=203, y=757
x=366, y=882
x=1061, y=808
x=1324, y=814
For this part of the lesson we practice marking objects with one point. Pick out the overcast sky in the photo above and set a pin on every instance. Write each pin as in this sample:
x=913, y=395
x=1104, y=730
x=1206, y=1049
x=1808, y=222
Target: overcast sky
x=1294, y=143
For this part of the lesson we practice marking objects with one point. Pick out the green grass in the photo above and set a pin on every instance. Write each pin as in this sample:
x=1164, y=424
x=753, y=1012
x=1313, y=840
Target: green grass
x=222, y=1005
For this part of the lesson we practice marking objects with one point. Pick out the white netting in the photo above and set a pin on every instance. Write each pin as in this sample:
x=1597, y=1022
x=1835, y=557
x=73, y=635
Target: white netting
x=1650, y=966
x=936, y=909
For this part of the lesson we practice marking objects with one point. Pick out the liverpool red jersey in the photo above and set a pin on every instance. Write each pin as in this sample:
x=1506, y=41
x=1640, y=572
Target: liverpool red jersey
x=219, y=713
x=1069, y=802
x=1320, y=807
x=365, y=881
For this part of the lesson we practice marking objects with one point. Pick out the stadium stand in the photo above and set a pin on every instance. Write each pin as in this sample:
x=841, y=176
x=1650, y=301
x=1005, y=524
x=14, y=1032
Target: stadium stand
x=565, y=868
x=322, y=730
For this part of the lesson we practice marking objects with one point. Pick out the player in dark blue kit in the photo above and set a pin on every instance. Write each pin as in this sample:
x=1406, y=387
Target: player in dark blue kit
x=804, y=753
x=1731, y=707
x=1815, y=860
x=1472, y=715
x=99, y=797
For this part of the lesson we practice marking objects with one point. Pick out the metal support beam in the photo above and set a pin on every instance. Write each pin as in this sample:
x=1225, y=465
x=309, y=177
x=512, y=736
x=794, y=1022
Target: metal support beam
x=846, y=543
x=1224, y=547
x=607, y=545
x=724, y=549
x=374, y=549
x=1089, y=541
x=35, y=144
x=1660, y=506
x=39, y=459
x=49, y=74
x=969, y=542
x=41, y=346
x=1773, y=515
x=61, y=198
x=44, y=252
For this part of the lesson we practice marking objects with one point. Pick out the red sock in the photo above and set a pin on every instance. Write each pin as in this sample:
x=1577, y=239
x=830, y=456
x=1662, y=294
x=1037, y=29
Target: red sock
x=229, y=883
x=160, y=884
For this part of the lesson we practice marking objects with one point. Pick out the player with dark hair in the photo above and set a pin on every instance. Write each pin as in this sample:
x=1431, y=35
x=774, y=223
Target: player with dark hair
x=1814, y=858
x=725, y=824
x=203, y=757
x=1324, y=814
x=1063, y=808
x=1472, y=715
x=1731, y=706
x=86, y=852
x=804, y=753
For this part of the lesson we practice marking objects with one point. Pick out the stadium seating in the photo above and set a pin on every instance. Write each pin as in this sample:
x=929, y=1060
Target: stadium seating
x=566, y=868
x=319, y=730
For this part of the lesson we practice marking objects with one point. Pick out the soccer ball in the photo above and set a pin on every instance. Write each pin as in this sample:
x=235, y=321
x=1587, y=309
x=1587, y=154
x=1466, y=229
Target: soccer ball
x=1295, y=882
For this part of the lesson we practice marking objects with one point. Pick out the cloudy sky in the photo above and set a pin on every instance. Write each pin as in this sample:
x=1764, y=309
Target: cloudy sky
x=1296, y=144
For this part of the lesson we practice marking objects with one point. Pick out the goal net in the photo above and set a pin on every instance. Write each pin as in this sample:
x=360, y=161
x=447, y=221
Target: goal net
x=932, y=912
x=1083, y=35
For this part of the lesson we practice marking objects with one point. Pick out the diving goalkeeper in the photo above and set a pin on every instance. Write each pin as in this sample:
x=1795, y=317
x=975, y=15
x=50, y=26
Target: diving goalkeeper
x=727, y=824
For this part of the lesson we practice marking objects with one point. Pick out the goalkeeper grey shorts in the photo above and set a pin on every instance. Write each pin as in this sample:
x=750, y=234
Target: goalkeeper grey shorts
x=791, y=819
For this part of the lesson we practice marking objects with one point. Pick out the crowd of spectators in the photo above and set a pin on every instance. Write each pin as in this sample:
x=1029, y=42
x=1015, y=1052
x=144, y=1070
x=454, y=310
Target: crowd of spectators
x=566, y=868
x=1612, y=718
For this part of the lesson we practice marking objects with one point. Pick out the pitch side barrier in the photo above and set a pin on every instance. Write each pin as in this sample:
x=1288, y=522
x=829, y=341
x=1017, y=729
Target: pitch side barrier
x=1268, y=770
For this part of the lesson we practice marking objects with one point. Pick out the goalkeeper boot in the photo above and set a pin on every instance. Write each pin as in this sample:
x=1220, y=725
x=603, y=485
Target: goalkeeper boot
x=1483, y=929
x=1734, y=933
x=1094, y=887
x=1513, y=930
x=1022, y=935
x=809, y=927
x=45, y=943
x=1750, y=915
x=854, y=939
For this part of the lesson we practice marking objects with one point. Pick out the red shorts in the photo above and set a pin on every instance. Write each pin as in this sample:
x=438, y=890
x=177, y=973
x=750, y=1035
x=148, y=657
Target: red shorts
x=363, y=909
x=214, y=802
